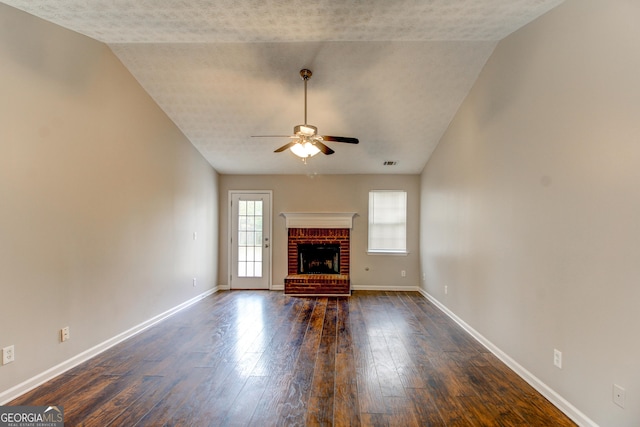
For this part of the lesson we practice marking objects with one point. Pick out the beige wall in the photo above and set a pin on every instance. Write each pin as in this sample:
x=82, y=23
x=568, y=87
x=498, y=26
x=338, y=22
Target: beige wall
x=99, y=197
x=331, y=193
x=531, y=208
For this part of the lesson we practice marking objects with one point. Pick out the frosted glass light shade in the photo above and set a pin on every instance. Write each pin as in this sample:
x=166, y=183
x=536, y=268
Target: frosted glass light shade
x=304, y=150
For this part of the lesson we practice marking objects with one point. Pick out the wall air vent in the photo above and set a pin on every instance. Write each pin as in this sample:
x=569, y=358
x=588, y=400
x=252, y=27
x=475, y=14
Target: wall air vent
x=390, y=163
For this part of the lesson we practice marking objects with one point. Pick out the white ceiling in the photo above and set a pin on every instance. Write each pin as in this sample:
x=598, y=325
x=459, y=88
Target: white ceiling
x=389, y=72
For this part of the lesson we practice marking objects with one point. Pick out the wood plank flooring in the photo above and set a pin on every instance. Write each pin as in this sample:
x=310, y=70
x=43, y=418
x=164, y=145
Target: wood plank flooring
x=259, y=358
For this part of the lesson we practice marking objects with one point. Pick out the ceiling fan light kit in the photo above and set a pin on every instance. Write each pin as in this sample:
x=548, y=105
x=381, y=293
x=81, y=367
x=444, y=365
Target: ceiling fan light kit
x=306, y=142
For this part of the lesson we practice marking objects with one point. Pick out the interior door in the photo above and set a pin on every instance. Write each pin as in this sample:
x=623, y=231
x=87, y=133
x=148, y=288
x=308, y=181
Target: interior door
x=250, y=234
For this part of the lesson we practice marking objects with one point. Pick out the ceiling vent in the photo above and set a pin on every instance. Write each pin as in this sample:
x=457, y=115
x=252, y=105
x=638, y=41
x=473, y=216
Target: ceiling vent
x=390, y=163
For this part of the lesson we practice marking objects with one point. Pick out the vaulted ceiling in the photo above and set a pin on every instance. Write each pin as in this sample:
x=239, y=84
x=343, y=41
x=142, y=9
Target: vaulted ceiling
x=390, y=72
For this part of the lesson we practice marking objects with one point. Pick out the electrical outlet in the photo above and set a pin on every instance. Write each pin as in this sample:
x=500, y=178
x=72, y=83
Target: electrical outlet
x=8, y=354
x=557, y=358
x=403, y=273
x=446, y=289
x=618, y=395
x=194, y=281
x=64, y=334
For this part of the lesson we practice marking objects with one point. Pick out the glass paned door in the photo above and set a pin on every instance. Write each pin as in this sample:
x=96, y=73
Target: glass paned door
x=250, y=245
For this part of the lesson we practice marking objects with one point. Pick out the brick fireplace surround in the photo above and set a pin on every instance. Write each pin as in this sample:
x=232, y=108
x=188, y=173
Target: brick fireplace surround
x=321, y=229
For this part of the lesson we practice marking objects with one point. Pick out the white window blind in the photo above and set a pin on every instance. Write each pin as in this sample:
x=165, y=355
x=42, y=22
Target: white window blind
x=388, y=221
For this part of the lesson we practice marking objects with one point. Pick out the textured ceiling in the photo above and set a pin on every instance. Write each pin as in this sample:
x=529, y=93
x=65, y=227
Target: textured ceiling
x=391, y=73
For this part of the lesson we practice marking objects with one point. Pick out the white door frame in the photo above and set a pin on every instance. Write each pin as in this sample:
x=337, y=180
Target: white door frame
x=267, y=229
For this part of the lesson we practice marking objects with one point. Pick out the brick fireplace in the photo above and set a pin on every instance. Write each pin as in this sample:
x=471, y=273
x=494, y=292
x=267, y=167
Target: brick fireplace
x=327, y=237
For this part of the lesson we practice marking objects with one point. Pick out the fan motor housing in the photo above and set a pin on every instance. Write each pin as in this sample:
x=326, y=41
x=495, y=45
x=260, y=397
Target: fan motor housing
x=306, y=130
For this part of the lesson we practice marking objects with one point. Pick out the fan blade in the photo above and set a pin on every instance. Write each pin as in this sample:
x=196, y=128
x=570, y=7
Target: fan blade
x=340, y=139
x=274, y=136
x=286, y=146
x=326, y=150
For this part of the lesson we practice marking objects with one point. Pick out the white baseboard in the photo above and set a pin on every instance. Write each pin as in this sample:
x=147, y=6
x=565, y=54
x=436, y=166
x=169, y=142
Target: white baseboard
x=561, y=403
x=385, y=288
x=18, y=390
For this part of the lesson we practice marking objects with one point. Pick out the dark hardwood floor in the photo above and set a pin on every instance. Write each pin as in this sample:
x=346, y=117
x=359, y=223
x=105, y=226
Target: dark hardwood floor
x=259, y=358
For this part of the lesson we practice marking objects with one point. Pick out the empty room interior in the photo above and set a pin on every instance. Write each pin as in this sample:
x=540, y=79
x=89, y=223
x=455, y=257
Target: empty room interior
x=137, y=140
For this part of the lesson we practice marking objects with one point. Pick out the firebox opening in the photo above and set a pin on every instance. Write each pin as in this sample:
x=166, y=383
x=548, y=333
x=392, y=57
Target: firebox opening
x=318, y=259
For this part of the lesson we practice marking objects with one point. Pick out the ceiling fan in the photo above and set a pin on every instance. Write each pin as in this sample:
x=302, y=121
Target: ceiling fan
x=305, y=141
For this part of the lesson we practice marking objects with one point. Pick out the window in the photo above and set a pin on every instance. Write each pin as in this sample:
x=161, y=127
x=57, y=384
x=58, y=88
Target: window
x=388, y=221
x=250, y=238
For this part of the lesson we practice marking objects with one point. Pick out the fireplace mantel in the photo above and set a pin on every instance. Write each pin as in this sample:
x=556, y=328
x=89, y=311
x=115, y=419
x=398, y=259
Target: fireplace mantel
x=319, y=219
